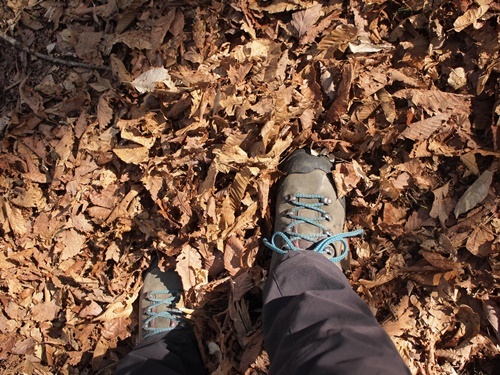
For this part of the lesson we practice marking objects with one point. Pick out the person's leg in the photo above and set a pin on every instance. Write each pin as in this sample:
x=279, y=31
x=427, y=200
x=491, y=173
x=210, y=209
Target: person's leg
x=314, y=323
x=174, y=353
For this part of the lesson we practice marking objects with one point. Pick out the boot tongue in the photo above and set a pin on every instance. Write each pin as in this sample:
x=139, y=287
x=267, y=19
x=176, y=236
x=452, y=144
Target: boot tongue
x=308, y=245
x=303, y=244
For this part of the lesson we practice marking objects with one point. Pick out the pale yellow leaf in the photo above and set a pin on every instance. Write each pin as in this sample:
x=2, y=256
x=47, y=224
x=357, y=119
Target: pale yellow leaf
x=469, y=17
x=132, y=154
x=147, y=81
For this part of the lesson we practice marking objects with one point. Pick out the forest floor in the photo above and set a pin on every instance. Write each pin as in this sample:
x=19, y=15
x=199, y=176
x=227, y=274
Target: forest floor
x=133, y=127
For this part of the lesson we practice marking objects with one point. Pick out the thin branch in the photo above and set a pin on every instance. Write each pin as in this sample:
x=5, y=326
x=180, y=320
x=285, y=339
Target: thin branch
x=55, y=60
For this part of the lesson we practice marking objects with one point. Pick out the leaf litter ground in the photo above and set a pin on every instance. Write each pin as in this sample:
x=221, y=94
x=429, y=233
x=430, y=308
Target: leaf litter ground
x=171, y=143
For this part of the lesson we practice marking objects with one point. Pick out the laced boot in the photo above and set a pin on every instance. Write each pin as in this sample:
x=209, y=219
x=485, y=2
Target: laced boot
x=309, y=215
x=157, y=304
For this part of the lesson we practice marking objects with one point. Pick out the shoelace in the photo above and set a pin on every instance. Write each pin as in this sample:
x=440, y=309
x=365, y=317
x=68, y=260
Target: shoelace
x=322, y=240
x=172, y=313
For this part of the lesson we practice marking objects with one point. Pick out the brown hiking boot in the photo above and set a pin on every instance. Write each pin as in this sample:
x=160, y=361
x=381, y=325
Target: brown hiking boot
x=157, y=304
x=309, y=215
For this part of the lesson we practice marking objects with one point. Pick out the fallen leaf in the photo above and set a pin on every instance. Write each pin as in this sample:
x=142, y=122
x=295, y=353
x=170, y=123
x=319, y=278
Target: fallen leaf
x=423, y=129
x=440, y=207
x=92, y=309
x=480, y=241
x=475, y=194
x=45, y=312
x=435, y=101
x=387, y=104
x=303, y=20
x=132, y=154
x=457, y=78
x=233, y=255
x=72, y=243
x=147, y=81
x=470, y=17
x=492, y=312
x=104, y=111
x=32, y=99
x=18, y=224
x=188, y=263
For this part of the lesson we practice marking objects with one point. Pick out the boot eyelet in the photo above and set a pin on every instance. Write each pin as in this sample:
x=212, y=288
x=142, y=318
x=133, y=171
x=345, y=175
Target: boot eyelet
x=327, y=201
x=329, y=233
x=290, y=198
x=328, y=217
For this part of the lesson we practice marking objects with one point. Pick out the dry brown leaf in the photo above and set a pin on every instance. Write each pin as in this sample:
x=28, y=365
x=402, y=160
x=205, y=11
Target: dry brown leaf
x=441, y=207
x=340, y=105
x=470, y=17
x=439, y=261
x=480, y=241
x=279, y=6
x=87, y=47
x=340, y=36
x=475, y=194
x=364, y=111
x=161, y=27
x=233, y=255
x=423, y=129
x=32, y=99
x=387, y=104
x=131, y=135
x=469, y=159
x=433, y=278
x=18, y=224
x=119, y=69
x=64, y=147
x=435, y=101
x=81, y=223
x=492, y=312
x=393, y=214
x=132, y=154
x=314, y=31
x=402, y=320
x=239, y=186
x=29, y=197
x=92, y=309
x=188, y=263
x=147, y=81
x=72, y=243
x=45, y=312
x=116, y=328
x=104, y=111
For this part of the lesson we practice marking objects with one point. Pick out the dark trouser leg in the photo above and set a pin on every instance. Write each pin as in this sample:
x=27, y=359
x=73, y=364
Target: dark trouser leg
x=314, y=323
x=173, y=353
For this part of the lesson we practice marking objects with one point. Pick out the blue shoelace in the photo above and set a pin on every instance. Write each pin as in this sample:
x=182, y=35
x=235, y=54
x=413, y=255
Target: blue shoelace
x=172, y=313
x=322, y=240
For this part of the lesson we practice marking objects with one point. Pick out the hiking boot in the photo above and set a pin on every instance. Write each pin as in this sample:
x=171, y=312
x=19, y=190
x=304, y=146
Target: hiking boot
x=309, y=215
x=157, y=304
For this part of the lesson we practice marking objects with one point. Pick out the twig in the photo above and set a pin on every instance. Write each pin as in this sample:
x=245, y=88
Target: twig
x=55, y=60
